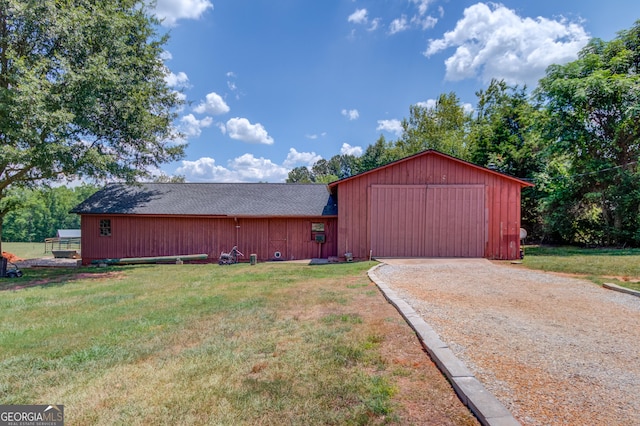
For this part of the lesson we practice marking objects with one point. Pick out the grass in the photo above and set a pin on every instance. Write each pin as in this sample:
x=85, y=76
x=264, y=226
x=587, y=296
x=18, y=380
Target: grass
x=26, y=250
x=619, y=266
x=204, y=344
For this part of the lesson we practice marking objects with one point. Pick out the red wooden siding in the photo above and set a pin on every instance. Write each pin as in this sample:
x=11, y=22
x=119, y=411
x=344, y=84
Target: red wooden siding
x=490, y=222
x=428, y=221
x=141, y=236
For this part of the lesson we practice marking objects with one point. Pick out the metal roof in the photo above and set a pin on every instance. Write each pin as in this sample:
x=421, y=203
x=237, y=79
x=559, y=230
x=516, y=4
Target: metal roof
x=69, y=233
x=212, y=199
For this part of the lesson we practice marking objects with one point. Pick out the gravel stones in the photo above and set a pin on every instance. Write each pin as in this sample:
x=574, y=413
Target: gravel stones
x=552, y=349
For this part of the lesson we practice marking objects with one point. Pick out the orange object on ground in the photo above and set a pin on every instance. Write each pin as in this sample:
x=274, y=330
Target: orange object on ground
x=11, y=257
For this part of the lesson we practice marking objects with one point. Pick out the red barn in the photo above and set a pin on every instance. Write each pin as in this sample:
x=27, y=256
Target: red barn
x=429, y=205
x=273, y=221
x=426, y=205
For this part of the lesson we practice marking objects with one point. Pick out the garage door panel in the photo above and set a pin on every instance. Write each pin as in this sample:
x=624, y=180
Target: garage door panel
x=457, y=221
x=428, y=221
x=397, y=220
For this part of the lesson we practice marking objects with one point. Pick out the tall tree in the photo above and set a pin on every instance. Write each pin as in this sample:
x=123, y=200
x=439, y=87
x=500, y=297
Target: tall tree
x=82, y=93
x=505, y=136
x=443, y=127
x=378, y=154
x=593, y=107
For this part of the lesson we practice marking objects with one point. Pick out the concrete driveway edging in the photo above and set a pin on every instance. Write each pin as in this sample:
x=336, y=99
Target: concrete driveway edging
x=614, y=287
x=484, y=405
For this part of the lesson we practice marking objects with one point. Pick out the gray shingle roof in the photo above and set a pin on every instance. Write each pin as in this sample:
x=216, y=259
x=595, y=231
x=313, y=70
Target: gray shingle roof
x=211, y=199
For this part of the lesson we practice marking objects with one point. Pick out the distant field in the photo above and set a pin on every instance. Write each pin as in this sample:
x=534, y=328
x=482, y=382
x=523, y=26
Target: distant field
x=26, y=250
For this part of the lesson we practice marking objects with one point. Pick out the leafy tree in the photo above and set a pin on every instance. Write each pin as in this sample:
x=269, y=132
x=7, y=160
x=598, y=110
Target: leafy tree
x=593, y=107
x=300, y=174
x=82, y=93
x=41, y=212
x=443, y=127
x=378, y=154
x=505, y=136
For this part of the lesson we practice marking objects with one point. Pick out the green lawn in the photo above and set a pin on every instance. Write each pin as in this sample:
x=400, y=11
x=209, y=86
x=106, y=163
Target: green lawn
x=619, y=266
x=273, y=343
x=26, y=250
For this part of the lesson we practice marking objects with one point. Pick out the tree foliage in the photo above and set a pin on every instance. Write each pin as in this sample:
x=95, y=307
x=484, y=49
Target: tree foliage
x=82, y=93
x=443, y=127
x=593, y=120
x=39, y=213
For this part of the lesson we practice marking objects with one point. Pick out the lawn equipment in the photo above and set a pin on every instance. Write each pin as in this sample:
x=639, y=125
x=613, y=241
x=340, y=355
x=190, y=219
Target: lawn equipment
x=9, y=269
x=231, y=257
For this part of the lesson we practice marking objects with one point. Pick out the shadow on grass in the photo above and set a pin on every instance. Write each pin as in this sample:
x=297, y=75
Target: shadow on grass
x=50, y=277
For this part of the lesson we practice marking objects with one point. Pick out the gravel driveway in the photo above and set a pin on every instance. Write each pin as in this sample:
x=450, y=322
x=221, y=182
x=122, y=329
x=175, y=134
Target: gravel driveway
x=554, y=350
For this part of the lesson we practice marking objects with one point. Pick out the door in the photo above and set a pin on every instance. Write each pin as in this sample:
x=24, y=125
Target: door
x=455, y=221
x=278, y=239
x=398, y=220
x=428, y=221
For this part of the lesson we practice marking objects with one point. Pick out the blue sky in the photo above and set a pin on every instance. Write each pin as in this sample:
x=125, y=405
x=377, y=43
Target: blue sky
x=275, y=84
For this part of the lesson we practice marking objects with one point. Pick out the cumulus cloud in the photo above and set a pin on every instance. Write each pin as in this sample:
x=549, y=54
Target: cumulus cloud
x=392, y=126
x=398, y=25
x=419, y=19
x=245, y=168
x=351, y=114
x=241, y=129
x=295, y=158
x=250, y=168
x=192, y=127
x=205, y=170
x=213, y=104
x=492, y=41
x=347, y=149
x=358, y=17
x=179, y=80
x=429, y=103
x=170, y=11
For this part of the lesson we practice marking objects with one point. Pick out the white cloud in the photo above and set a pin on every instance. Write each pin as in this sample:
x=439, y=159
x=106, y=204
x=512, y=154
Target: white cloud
x=315, y=136
x=351, y=114
x=242, y=129
x=180, y=80
x=214, y=104
x=351, y=150
x=429, y=103
x=295, y=158
x=423, y=5
x=205, y=170
x=493, y=42
x=192, y=127
x=245, y=168
x=170, y=11
x=375, y=23
x=399, y=25
x=250, y=168
x=358, y=17
x=391, y=126
x=424, y=22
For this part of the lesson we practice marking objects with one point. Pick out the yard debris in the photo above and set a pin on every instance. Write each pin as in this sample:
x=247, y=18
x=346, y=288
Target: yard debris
x=11, y=257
